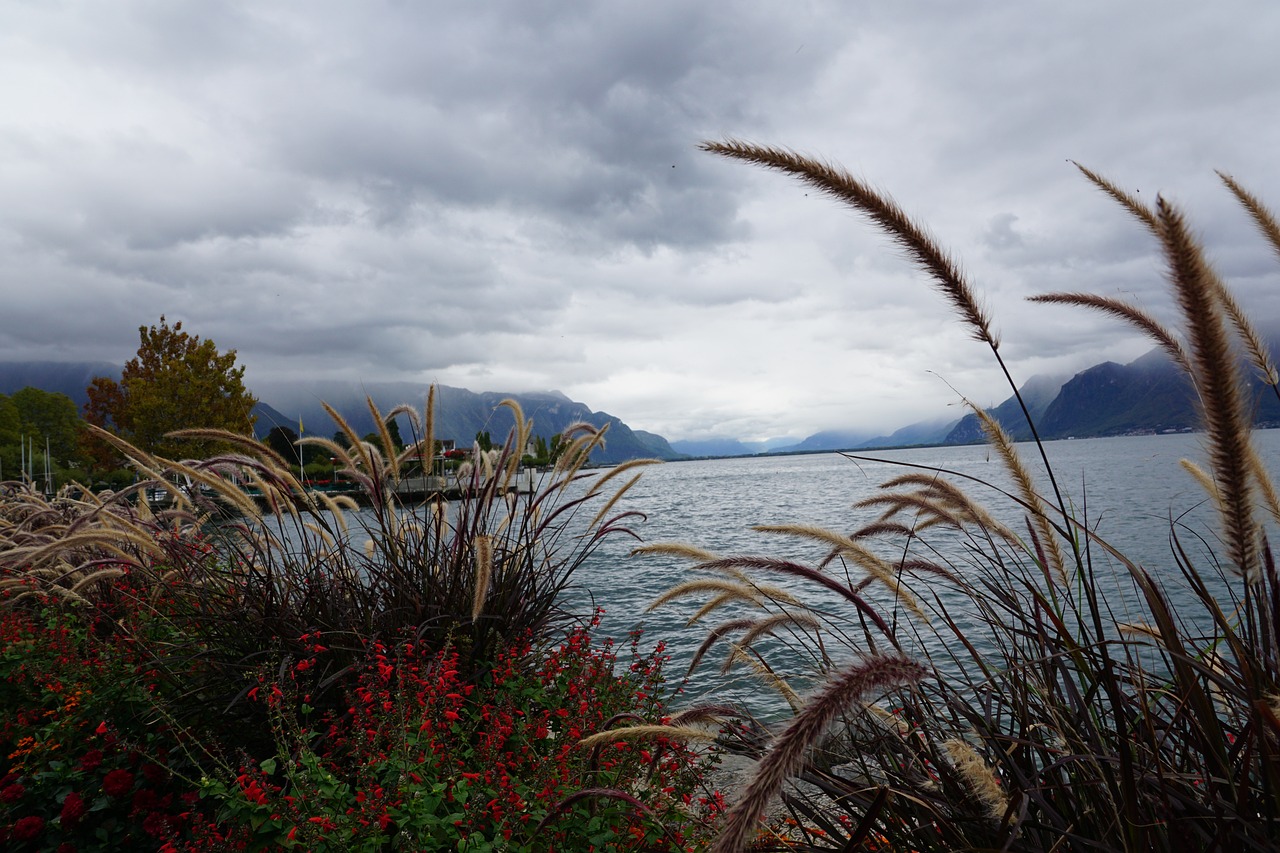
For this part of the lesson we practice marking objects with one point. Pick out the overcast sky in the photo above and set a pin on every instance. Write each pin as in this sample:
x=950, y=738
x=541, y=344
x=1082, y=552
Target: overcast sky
x=508, y=196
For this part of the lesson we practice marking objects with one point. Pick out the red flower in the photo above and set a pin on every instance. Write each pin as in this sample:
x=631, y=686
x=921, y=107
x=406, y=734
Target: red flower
x=28, y=827
x=12, y=793
x=144, y=800
x=155, y=825
x=91, y=760
x=73, y=808
x=118, y=783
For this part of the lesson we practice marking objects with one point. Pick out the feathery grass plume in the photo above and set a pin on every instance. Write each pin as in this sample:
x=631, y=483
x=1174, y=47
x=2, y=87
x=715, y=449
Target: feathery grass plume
x=322, y=535
x=65, y=593
x=100, y=575
x=883, y=528
x=1130, y=203
x=613, y=501
x=923, y=504
x=354, y=441
x=1254, y=345
x=981, y=778
x=763, y=592
x=330, y=448
x=707, y=714
x=640, y=732
x=890, y=721
x=843, y=691
x=877, y=566
x=1262, y=478
x=761, y=670
x=1257, y=349
x=429, y=424
x=389, y=454
x=110, y=538
x=880, y=209
x=945, y=490
x=712, y=605
x=247, y=443
x=517, y=441
x=1141, y=629
x=769, y=624
x=617, y=470
x=741, y=591
x=953, y=496
x=1218, y=382
x=1131, y=314
x=794, y=569
x=1259, y=212
x=577, y=441
x=712, y=636
x=227, y=491
x=919, y=246
x=1003, y=444
x=483, y=574
x=676, y=549
x=1205, y=479
x=928, y=567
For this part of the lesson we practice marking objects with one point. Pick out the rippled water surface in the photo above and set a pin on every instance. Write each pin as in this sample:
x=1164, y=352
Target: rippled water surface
x=1132, y=490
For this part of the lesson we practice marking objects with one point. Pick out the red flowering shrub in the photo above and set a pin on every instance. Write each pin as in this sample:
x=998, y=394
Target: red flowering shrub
x=73, y=808
x=423, y=755
x=85, y=769
x=117, y=783
x=27, y=828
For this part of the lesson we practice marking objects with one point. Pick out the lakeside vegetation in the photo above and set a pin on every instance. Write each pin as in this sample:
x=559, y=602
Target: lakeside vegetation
x=274, y=682
x=270, y=681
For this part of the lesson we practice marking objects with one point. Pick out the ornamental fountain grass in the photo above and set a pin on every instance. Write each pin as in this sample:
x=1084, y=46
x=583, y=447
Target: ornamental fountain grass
x=984, y=687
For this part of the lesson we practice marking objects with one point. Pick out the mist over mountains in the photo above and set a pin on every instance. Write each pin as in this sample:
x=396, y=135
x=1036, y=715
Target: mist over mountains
x=1148, y=395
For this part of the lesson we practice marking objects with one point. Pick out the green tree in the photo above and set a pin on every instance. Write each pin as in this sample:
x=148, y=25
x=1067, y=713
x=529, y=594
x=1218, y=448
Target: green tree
x=284, y=440
x=176, y=381
x=393, y=430
x=53, y=420
x=10, y=436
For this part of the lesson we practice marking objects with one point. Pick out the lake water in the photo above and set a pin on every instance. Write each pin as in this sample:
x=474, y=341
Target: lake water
x=1132, y=490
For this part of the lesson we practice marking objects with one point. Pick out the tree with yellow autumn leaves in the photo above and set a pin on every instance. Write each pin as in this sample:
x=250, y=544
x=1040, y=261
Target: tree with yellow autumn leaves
x=176, y=381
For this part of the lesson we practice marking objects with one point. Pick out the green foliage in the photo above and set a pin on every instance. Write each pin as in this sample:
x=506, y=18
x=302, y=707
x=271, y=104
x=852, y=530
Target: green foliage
x=175, y=381
x=47, y=421
x=283, y=441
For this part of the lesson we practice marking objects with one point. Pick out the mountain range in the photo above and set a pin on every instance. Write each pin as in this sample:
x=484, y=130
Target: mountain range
x=1147, y=395
x=460, y=414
